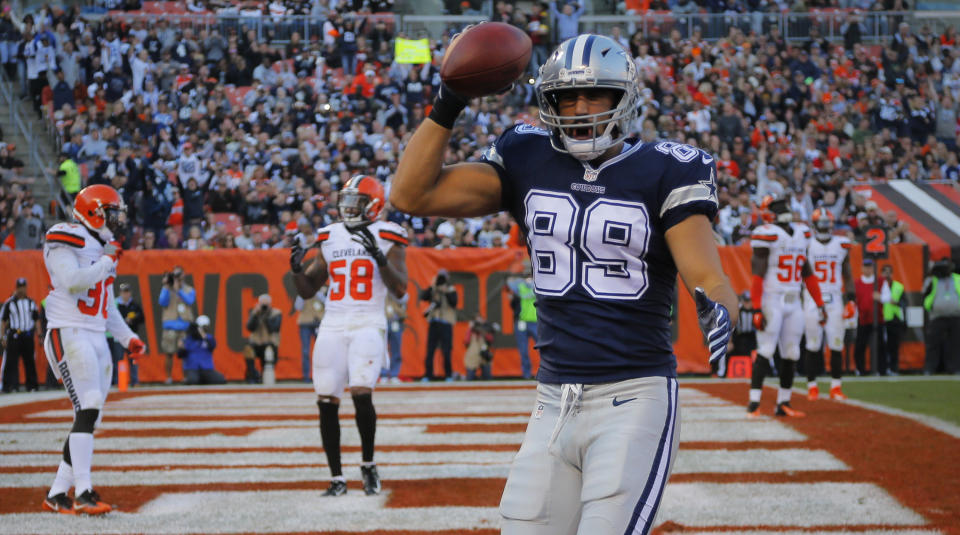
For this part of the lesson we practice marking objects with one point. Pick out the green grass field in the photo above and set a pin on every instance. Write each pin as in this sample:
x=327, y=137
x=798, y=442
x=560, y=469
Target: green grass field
x=937, y=397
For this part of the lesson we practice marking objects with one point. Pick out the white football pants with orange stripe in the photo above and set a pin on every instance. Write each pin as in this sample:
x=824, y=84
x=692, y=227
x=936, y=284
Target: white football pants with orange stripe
x=81, y=359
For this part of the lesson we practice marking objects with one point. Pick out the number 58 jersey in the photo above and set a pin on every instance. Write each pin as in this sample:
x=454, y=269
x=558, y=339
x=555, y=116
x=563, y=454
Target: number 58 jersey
x=604, y=277
x=356, y=292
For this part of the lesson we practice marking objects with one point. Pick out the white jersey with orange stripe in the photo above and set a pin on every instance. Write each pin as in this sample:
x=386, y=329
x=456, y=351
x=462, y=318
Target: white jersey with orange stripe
x=81, y=277
x=788, y=254
x=826, y=261
x=356, y=291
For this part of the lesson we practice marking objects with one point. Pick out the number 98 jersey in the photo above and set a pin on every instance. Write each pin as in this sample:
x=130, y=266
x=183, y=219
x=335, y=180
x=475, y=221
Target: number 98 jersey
x=604, y=277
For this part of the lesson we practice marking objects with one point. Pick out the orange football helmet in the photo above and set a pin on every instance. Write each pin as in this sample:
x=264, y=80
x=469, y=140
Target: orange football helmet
x=775, y=209
x=100, y=208
x=822, y=221
x=361, y=200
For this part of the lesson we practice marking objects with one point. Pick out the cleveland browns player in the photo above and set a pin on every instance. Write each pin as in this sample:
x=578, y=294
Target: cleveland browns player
x=81, y=259
x=361, y=258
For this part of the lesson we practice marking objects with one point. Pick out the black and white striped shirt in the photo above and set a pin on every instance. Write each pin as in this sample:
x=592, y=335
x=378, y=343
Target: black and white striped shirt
x=20, y=314
x=745, y=321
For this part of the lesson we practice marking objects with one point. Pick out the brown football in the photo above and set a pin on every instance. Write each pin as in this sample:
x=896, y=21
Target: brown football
x=486, y=59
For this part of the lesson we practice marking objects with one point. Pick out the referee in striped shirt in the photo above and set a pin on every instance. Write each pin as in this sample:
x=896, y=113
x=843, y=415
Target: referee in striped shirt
x=18, y=322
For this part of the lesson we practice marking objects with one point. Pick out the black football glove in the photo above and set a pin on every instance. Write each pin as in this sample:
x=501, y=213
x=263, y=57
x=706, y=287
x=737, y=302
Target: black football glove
x=364, y=237
x=296, y=258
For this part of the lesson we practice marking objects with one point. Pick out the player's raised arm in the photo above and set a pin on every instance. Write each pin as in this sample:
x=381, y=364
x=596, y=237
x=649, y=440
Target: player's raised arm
x=423, y=186
x=472, y=67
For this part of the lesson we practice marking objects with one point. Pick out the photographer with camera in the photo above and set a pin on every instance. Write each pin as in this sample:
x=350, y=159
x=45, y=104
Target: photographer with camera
x=196, y=350
x=264, y=327
x=941, y=300
x=176, y=302
x=442, y=314
x=478, y=354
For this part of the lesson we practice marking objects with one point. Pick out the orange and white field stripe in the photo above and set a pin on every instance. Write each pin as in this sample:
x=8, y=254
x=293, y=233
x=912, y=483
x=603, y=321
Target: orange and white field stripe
x=248, y=460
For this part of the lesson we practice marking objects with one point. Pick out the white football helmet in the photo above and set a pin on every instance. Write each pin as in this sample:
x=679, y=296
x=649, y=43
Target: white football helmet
x=588, y=61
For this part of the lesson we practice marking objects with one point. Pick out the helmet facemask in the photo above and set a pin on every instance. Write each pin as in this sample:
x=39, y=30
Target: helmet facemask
x=781, y=211
x=823, y=227
x=115, y=219
x=354, y=208
x=588, y=136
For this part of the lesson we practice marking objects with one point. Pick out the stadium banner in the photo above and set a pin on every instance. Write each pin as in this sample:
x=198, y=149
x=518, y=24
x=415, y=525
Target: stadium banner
x=228, y=282
x=416, y=51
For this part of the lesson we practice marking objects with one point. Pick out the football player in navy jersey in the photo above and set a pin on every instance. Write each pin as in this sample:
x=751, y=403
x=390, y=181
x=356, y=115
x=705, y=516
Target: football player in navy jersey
x=609, y=223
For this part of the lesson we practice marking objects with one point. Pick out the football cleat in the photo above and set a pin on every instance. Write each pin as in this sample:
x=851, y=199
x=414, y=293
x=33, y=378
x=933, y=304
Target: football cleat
x=784, y=409
x=813, y=392
x=371, y=479
x=337, y=488
x=59, y=503
x=89, y=503
x=753, y=410
x=837, y=394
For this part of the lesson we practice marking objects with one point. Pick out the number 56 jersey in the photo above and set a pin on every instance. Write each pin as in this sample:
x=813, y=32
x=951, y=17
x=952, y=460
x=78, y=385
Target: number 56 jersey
x=604, y=277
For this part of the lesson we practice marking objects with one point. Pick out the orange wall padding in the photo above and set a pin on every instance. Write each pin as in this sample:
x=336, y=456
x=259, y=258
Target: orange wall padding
x=228, y=282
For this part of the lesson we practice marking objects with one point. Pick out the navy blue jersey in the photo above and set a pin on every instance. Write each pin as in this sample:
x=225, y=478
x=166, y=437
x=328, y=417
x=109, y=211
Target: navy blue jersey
x=603, y=274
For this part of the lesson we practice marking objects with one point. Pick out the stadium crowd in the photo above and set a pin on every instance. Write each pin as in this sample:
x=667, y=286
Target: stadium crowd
x=225, y=140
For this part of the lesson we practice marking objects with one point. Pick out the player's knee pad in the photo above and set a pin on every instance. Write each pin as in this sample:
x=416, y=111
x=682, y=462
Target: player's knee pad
x=85, y=421
x=326, y=384
x=91, y=399
x=791, y=353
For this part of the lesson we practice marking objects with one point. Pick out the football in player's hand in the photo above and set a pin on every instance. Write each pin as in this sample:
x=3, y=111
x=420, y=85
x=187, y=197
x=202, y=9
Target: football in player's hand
x=485, y=59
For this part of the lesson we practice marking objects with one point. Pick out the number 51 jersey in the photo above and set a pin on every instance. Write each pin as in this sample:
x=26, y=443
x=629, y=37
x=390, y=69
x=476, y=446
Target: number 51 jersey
x=604, y=277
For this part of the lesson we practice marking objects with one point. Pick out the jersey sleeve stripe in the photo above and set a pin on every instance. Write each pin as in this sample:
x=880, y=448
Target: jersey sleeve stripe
x=67, y=238
x=687, y=194
x=764, y=237
x=394, y=237
x=57, y=344
x=323, y=236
